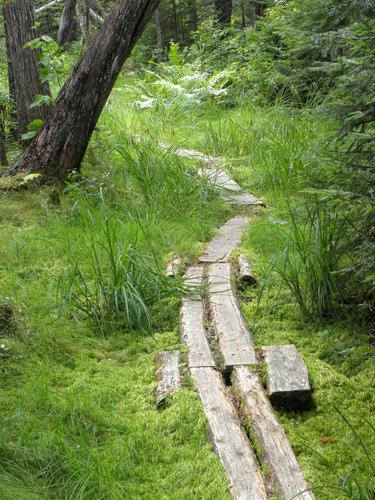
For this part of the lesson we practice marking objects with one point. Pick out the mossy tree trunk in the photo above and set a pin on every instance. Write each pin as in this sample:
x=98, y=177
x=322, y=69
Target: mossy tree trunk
x=24, y=80
x=61, y=144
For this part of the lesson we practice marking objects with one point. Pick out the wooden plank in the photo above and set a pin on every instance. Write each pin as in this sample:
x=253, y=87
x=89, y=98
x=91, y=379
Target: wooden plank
x=192, y=329
x=243, y=199
x=228, y=238
x=189, y=153
x=288, y=383
x=245, y=273
x=229, y=439
x=220, y=178
x=287, y=476
x=167, y=374
x=235, y=340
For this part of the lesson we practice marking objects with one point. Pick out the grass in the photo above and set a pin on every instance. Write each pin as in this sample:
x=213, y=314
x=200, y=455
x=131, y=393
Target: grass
x=77, y=406
x=78, y=411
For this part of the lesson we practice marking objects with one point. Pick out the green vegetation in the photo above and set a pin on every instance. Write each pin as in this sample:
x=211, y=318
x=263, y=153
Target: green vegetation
x=287, y=102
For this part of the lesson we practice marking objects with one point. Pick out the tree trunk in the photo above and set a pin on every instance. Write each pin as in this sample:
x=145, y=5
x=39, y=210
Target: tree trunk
x=68, y=24
x=3, y=154
x=24, y=80
x=62, y=143
x=193, y=15
x=260, y=7
x=224, y=11
x=83, y=14
x=159, y=34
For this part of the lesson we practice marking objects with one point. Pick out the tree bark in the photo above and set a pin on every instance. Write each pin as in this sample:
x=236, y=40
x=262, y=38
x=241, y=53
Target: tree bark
x=83, y=14
x=62, y=143
x=159, y=34
x=68, y=24
x=24, y=80
x=194, y=15
x=224, y=11
x=260, y=7
x=3, y=154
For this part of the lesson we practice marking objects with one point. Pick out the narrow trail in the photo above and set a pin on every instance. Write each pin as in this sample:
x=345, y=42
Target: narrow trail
x=224, y=368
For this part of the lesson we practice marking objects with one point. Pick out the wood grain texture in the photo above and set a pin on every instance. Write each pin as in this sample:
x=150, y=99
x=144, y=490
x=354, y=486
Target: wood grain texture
x=235, y=340
x=226, y=240
x=287, y=476
x=192, y=329
x=167, y=374
x=229, y=439
x=287, y=377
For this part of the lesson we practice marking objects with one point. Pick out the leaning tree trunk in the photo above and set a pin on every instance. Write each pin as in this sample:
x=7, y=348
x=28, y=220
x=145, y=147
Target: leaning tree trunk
x=24, y=80
x=68, y=23
x=62, y=143
x=224, y=11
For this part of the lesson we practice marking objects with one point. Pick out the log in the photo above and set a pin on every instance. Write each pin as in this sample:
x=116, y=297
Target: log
x=235, y=340
x=174, y=267
x=192, y=329
x=245, y=273
x=228, y=238
x=286, y=475
x=167, y=373
x=228, y=438
x=288, y=383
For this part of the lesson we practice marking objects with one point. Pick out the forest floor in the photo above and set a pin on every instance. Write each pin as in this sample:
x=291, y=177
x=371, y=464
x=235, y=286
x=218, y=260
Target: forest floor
x=77, y=401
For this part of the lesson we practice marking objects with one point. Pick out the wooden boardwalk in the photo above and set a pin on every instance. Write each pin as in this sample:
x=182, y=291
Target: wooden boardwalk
x=240, y=462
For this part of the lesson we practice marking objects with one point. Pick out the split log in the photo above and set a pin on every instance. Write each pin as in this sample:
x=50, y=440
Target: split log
x=192, y=329
x=245, y=273
x=229, y=439
x=286, y=475
x=235, y=340
x=174, y=267
x=228, y=238
x=167, y=373
x=288, y=383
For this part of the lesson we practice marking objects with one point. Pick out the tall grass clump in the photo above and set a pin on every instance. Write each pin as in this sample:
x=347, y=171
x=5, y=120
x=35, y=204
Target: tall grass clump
x=164, y=182
x=109, y=280
x=311, y=261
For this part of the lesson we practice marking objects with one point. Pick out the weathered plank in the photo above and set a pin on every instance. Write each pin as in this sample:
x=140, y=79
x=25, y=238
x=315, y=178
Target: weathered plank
x=189, y=153
x=286, y=474
x=245, y=273
x=243, y=199
x=229, y=439
x=227, y=239
x=174, y=267
x=220, y=178
x=234, y=338
x=192, y=324
x=287, y=377
x=167, y=374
